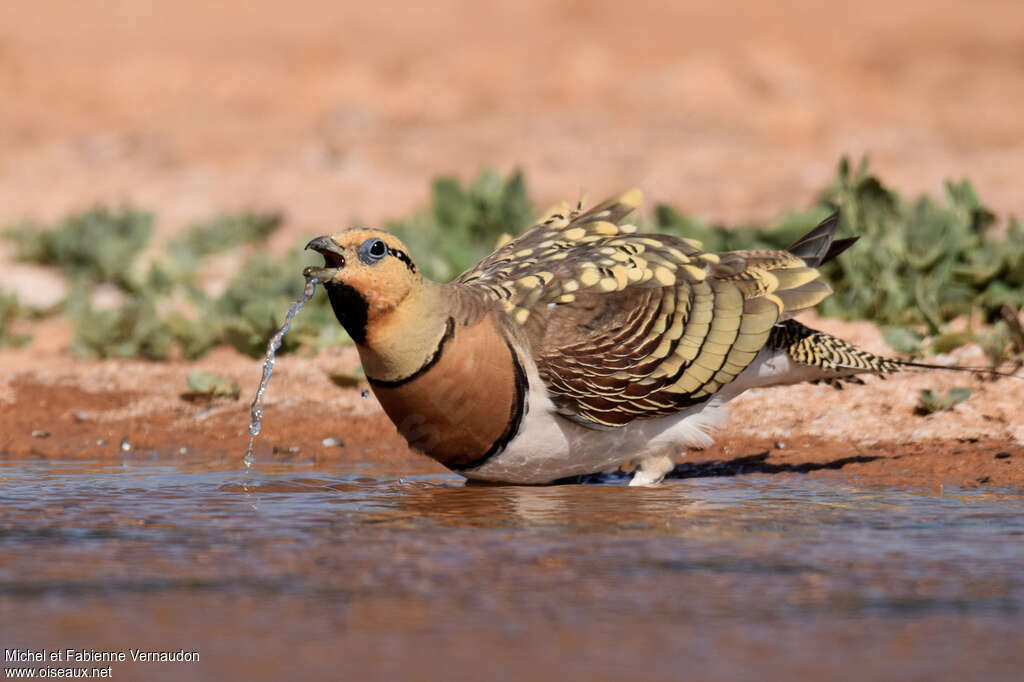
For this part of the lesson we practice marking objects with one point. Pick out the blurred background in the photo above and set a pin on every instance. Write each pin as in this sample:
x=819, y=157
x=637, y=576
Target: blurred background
x=238, y=128
x=336, y=110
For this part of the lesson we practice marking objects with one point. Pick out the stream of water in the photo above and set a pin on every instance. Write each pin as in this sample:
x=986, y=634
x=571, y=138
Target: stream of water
x=256, y=408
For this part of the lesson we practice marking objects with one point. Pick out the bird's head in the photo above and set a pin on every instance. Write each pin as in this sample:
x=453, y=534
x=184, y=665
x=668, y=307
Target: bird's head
x=367, y=274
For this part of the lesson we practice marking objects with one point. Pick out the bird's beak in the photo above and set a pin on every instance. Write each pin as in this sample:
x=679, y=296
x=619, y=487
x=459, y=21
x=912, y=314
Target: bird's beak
x=334, y=259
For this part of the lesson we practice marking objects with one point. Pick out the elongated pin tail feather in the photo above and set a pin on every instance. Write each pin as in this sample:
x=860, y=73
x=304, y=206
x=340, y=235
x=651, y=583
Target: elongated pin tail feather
x=988, y=371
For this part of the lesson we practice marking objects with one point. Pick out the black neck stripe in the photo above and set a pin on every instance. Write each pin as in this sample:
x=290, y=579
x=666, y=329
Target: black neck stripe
x=448, y=333
x=515, y=417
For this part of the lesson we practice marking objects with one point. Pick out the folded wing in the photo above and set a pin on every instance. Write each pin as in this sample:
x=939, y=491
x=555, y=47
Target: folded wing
x=626, y=325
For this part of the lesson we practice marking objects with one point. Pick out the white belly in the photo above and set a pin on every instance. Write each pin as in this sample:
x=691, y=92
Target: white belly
x=550, y=446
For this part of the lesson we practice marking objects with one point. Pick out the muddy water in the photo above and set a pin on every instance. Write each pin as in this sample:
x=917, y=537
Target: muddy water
x=294, y=571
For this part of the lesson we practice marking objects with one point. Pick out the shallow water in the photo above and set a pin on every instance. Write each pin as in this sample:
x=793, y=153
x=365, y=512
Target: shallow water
x=293, y=570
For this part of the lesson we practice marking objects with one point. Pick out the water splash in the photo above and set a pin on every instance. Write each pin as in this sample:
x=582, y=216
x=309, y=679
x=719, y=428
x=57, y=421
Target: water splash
x=256, y=409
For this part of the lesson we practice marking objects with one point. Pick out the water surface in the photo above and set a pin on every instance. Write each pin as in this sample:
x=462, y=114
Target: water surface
x=359, y=574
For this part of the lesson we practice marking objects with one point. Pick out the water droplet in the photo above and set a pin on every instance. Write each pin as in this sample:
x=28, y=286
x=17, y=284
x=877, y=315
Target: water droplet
x=364, y=393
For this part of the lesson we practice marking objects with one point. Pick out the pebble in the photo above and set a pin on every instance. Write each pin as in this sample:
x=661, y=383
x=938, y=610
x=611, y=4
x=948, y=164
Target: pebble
x=779, y=445
x=80, y=415
x=39, y=433
x=126, y=444
x=332, y=443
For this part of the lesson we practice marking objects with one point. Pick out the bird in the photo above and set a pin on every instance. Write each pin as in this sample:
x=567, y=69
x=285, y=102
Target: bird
x=584, y=344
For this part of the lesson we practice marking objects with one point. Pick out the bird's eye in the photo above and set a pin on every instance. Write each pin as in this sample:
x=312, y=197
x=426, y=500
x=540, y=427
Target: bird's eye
x=372, y=250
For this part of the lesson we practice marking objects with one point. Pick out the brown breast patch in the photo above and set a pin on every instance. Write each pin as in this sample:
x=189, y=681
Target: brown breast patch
x=467, y=405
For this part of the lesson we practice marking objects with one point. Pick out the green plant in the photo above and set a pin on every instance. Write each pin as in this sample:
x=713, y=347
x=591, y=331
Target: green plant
x=932, y=401
x=463, y=223
x=216, y=235
x=919, y=264
x=921, y=261
x=132, y=330
x=165, y=312
x=904, y=340
x=205, y=386
x=1004, y=342
x=10, y=311
x=100, y=245
x=348, y=379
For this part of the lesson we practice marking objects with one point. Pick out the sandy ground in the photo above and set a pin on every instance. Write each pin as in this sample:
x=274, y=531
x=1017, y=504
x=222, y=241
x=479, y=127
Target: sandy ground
x=52, y=406
x=332, y=111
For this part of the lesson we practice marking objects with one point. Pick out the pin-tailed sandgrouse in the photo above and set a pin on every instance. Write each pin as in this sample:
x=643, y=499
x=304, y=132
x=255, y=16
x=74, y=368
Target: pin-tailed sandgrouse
x=582, y=344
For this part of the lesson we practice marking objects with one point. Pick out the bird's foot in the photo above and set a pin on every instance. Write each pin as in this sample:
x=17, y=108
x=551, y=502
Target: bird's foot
x=651, y=470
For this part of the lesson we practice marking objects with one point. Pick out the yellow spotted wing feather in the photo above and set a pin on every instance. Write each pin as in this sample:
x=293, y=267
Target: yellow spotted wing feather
x=626, y=325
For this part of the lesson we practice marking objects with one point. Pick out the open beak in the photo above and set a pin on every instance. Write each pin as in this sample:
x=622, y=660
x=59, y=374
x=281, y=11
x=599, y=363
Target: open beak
x=334, y=259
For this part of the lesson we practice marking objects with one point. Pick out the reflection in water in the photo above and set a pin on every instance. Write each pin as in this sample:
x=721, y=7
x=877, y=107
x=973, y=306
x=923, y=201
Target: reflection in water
x=719, y=573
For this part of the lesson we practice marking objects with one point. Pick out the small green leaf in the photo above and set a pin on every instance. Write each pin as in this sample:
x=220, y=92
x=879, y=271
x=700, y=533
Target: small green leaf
x=204, y=386
x=931, y=401
x=10, y=311
x=950, y=341
x=955, y=396
x=348, y=379
x=902, y=339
